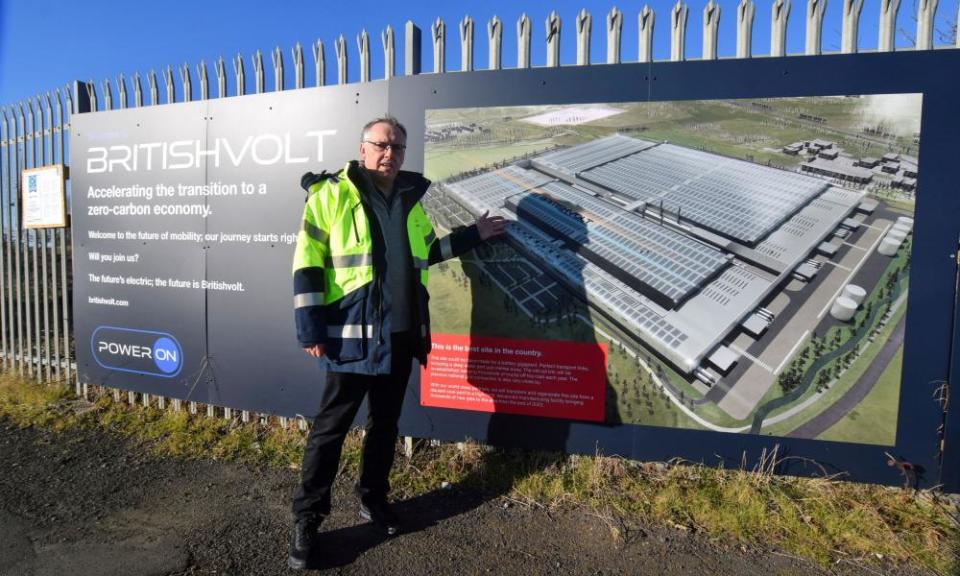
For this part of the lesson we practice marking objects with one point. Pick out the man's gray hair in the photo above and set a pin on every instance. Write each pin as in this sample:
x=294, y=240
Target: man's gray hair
x=384, y=120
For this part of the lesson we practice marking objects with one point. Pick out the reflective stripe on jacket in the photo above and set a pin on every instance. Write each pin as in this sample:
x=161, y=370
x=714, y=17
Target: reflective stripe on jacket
x=338, y=264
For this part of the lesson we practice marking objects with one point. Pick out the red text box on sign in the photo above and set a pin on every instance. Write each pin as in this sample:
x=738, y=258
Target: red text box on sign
x=554, y=379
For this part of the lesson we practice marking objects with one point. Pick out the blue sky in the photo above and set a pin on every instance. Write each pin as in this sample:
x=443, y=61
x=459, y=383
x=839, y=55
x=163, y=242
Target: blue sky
x=45, y=44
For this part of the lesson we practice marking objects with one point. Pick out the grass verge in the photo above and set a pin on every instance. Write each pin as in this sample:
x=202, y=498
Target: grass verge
x=823, y=519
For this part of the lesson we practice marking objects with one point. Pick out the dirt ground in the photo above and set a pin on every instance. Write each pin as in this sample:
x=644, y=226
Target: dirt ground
x=88, y=503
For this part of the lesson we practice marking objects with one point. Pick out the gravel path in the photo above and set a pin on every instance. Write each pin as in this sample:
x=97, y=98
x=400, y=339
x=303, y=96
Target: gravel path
x=87, y=503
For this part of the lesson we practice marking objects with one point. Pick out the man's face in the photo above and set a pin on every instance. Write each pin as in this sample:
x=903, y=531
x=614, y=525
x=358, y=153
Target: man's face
x=383, y=162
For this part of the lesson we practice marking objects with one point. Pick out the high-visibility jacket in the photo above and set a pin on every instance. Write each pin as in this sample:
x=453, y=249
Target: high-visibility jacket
x=339, y=263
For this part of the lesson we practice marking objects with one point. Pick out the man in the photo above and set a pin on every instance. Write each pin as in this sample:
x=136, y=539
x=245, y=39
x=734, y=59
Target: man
x=360, y=295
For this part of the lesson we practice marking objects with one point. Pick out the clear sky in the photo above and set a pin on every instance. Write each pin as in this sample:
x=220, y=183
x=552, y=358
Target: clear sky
x=44, y=44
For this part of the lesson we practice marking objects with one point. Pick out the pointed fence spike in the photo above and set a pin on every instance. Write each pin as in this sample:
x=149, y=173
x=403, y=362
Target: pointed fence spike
x=711, y=25
x=389, y=55
x=745, y=13
x=495, y=43
x=645, y=21
x=614, y=32
x=678, y=31
x=779, y=14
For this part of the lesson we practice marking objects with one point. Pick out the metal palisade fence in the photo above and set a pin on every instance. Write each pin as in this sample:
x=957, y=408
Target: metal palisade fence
x=35, y=264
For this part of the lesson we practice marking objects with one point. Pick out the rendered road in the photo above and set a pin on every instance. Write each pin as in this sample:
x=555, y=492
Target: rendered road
x=823, y=421
x=747, y=391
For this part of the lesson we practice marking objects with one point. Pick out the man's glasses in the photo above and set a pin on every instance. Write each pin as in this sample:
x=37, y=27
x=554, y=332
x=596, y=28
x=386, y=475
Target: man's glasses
x=384, y=146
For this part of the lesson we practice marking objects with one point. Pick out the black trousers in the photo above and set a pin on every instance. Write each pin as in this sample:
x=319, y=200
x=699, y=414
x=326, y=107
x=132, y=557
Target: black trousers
x=341, y=399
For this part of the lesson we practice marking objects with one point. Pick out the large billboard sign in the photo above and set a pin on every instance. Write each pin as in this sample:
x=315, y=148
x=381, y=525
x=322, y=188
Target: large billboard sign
x=696, y=269
x=747, y=260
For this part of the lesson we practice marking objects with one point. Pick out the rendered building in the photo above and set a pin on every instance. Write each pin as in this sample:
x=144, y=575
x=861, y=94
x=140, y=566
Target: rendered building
x=676, y=246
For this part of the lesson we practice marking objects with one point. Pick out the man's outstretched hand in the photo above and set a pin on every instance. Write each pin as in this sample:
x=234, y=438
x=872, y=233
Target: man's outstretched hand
x=490, y=226
x=316, y=350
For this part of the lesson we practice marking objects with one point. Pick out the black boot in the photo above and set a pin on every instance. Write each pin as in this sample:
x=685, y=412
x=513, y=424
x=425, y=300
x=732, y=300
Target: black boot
x=303, y=543
x=381, y=514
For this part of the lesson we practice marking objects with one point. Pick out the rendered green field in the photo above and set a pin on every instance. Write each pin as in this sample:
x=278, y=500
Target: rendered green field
x=879, y=431
x=442, y=164
x=735, y=129
x=880, y=406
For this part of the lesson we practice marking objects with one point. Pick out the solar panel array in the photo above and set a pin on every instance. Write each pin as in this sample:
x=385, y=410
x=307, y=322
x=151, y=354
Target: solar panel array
x=572, y=161
x=489, y=190
x=564, y=223
x=602, y=288
x=738, y=199
x=657, y=257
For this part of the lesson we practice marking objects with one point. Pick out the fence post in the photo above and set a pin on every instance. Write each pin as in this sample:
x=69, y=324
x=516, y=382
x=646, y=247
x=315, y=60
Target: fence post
x=614, y=30
x=552, y=26
x=340, y=47
x=53, y=131
x=363, y=46
x=27, y=355
x=204, y=80
x=466, y=44
x=745, y=29
x=186, y=82
x=523, y=41
x=319, y=64
x=240, y=75
x=438, y=32
x=926, y=12
x=259, y=81
x=33, y=239
x=815, y=11
x=645, y=19
x=411, y=49
x=297, y=54
x=107, y=95
x=220, y=68
x=888, y=24
x=779, y=14
x=711, y=24
x=170, y=86
x=64, y=293
x=678, y=31
x=494, y=43
x=122, y=91
x=40, y=149
x=389, y=57
x=154, y=90
x=4, y=256
x=92, y=95
x=851, y=23
x=276, y=58
x=583, y=24
x=137, y=90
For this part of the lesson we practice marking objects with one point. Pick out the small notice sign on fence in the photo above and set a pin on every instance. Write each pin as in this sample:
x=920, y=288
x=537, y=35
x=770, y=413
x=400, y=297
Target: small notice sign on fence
x=44, y=200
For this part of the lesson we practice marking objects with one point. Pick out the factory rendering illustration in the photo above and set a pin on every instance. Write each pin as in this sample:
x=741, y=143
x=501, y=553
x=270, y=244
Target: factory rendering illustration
x=721, y=267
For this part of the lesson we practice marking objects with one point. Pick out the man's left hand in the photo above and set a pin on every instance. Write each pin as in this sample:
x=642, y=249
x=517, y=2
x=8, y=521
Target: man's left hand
x=490, y=226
